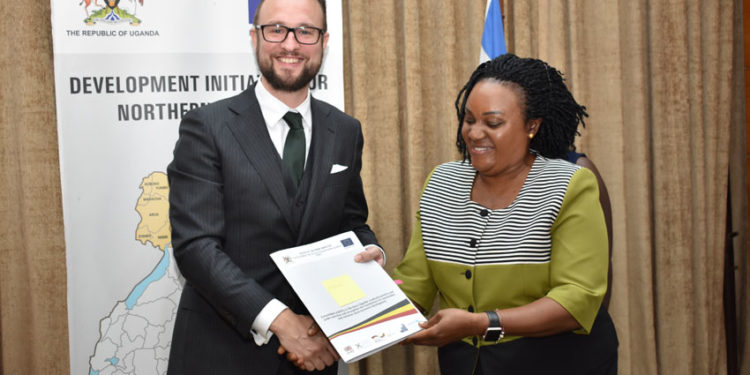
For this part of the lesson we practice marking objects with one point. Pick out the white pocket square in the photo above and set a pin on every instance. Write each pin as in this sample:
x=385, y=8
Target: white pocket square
x=336, y=168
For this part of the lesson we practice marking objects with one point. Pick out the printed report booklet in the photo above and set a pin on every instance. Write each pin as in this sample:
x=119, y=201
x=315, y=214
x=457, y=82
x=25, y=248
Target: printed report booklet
x=357, y=305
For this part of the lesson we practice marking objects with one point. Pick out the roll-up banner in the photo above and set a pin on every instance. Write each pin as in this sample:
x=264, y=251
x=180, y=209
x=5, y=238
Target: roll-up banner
x=126, y=71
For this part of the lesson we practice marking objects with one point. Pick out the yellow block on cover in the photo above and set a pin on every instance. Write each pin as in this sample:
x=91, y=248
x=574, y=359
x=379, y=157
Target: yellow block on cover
x=343, y=289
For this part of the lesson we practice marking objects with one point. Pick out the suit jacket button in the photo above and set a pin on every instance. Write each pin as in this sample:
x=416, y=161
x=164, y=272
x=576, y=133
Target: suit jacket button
x=467, y=274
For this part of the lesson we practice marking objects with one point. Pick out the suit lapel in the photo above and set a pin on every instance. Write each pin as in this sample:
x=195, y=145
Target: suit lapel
x=249, y=128
x=323, y=137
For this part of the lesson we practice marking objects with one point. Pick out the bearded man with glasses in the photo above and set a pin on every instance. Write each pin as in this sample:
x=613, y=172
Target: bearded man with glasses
x=268, y=169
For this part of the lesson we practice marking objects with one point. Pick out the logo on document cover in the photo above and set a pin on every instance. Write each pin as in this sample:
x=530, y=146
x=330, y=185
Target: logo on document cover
x=111, y=12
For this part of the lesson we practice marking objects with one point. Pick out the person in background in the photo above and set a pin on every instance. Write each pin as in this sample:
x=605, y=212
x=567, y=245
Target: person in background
x=268, y=169
x=513, y=238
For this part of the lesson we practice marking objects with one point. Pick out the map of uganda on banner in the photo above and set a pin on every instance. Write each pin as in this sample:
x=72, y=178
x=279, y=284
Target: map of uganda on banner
x=138, y=332
x=126, y=71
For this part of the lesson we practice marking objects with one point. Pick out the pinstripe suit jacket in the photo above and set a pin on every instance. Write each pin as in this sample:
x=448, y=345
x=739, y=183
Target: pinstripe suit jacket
x=229, y=209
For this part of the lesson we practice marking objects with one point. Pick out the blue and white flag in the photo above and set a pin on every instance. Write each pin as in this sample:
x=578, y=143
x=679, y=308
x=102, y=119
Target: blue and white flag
x=493, y=37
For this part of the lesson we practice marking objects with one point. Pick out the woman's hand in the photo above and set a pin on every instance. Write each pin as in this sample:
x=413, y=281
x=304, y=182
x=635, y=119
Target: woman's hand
x=449, y=325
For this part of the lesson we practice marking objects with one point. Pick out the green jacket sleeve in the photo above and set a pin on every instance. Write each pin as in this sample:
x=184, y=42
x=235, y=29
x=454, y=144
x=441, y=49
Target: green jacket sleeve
x=579, y=260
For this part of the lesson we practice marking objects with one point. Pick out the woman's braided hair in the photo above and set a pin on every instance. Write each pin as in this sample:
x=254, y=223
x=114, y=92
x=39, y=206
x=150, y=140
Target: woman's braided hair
x=544, y=94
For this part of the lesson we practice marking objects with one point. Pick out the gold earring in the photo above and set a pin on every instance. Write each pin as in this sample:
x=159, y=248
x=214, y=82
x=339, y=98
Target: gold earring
x=531, y=135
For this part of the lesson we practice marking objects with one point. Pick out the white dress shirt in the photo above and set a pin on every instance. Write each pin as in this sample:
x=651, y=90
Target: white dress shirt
x=273, y=111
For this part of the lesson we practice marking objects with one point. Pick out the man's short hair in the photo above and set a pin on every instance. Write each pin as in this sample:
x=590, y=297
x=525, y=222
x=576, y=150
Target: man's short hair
x=322, y=6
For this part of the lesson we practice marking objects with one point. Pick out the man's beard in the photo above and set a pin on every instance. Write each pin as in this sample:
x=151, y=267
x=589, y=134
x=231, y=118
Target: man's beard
x=279, y=83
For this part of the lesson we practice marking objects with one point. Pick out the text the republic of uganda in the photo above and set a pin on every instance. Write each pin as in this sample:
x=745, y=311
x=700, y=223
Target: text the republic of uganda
x=129, y=112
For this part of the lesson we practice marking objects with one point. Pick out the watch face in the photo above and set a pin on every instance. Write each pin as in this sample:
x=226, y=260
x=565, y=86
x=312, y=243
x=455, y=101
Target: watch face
x=494, y=330
x=493, y=334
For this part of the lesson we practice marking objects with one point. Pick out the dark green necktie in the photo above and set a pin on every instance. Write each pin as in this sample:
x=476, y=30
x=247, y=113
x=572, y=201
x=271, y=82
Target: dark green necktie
x=294, y=147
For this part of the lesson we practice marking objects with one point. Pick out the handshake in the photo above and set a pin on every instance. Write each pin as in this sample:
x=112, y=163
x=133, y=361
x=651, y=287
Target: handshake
x=303, y=342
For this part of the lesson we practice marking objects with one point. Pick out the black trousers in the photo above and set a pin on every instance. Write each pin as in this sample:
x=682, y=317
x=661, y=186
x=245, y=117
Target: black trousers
x=565, y=353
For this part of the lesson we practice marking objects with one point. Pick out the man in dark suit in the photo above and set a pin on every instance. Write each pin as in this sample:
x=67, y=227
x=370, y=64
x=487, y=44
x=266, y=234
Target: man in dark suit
x=268, y=169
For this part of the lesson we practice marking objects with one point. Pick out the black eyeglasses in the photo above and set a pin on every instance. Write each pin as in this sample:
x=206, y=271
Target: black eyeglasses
x=278, y=33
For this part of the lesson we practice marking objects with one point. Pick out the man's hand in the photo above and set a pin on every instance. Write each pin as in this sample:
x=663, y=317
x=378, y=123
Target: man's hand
x=371, y=253
x=449, y=325
x=312, y=331
x=307, y=351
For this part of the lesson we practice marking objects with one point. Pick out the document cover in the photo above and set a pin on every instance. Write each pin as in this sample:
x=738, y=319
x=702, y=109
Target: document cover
x=357, y=305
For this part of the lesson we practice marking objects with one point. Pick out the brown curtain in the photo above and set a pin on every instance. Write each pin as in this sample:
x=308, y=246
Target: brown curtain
x=33, y=292
x=405, y=62
x=739, y=191
x=663, y=85
x=659, y=79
